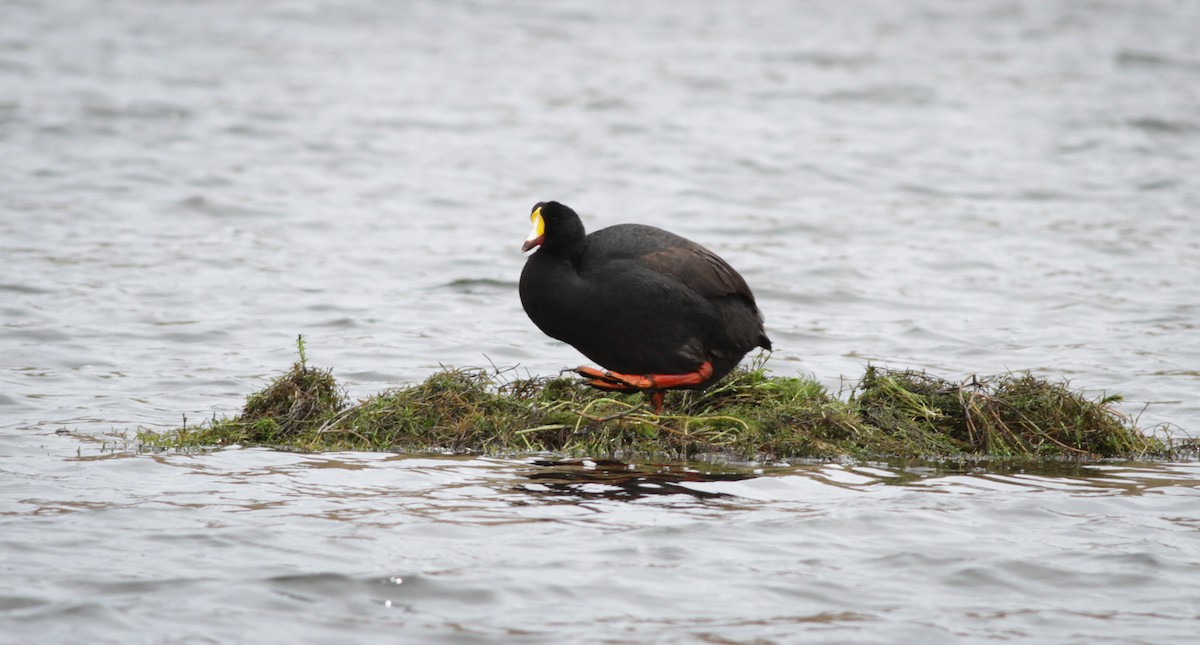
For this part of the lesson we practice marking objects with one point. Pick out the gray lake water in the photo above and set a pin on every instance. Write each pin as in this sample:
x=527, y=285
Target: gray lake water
x=967, y=188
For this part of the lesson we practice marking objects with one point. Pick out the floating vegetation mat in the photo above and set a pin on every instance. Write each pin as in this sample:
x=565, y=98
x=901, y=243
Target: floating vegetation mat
x=751, y=414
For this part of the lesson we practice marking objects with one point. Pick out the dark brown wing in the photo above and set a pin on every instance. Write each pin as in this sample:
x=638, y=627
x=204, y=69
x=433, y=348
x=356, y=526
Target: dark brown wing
x=700, y=269
x=691, y=264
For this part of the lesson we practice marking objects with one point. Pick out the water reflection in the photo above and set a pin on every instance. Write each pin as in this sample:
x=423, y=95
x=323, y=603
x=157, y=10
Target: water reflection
x=612, y=479
x=629, y=480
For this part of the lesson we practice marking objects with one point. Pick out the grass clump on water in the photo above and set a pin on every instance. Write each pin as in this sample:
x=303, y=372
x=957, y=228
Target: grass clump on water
x=751, y=414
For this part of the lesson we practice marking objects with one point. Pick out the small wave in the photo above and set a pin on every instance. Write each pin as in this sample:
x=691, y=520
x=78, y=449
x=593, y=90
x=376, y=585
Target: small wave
x=1163, y=126
x=1141, y=59
x=884, y=95
x=206, y=206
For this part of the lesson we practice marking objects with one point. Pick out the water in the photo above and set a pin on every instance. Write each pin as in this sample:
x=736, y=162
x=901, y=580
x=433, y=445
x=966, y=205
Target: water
x=254, y=546
x=187, y=186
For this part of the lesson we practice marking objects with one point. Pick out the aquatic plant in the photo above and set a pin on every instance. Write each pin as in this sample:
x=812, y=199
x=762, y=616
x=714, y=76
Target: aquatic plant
x=751, y=414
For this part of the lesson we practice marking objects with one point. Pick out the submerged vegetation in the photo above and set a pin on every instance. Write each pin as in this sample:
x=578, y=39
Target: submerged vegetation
x=751, y=414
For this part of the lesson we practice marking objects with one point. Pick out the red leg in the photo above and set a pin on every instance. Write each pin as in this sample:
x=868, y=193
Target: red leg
x=656, y=400
x=606, y=380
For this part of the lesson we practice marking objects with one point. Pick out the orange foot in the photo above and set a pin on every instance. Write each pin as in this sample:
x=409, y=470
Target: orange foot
x=656, y=383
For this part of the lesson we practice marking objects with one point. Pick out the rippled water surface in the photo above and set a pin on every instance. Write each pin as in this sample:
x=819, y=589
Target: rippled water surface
x=978, y=187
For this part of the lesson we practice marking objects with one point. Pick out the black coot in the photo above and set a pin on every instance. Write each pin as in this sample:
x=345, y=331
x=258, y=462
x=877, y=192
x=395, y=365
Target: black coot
x=656, y=310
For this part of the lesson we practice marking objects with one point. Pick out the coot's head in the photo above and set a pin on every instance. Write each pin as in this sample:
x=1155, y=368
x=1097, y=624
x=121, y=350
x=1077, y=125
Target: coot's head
x=556, y=229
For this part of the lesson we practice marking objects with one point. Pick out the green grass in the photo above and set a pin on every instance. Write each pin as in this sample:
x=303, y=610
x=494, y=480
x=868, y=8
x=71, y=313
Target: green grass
x=751, y=414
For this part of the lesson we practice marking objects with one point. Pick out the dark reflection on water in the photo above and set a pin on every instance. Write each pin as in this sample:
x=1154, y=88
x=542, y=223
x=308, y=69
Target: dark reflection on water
x=616, y=479
x=612, y=479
